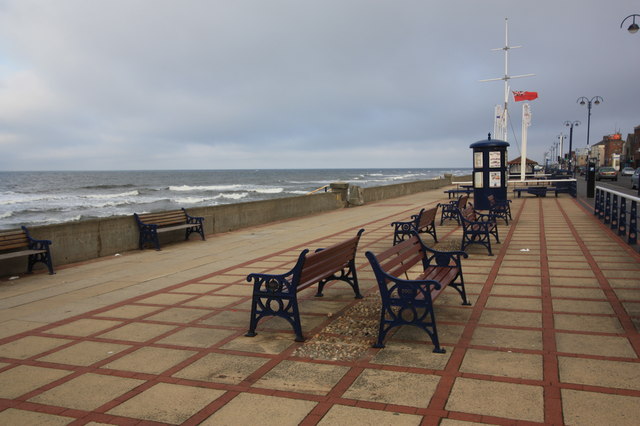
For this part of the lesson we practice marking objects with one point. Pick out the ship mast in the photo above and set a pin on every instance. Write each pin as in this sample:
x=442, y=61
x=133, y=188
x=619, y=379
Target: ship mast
x=501, y=116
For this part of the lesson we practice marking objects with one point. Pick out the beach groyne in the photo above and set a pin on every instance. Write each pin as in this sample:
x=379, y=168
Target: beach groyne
x=93, y=238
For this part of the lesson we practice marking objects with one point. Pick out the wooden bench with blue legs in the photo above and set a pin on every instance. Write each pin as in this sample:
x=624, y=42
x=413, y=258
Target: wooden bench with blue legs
x=19, y=243
x=538, y=191
x=151, y=224
x=452, y=193
x=449, y=211
x=409, y=301
x=477, y=228
x=422, y=223
x=276, y=294
x=500, y=209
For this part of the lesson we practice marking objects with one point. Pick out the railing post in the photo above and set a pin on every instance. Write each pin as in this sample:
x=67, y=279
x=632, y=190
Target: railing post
x=596, y=204
x=633, y=230
x=622, y=225
x=606, y=214
x=614, y=212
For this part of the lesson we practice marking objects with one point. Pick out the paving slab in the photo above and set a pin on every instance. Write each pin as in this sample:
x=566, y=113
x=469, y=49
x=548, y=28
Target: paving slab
x=551, y=336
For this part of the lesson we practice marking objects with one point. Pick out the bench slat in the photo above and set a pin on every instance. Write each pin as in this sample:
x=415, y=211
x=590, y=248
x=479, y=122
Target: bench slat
x=323, y=264
x=21, y=253
x=13, y=240
x=163, y=218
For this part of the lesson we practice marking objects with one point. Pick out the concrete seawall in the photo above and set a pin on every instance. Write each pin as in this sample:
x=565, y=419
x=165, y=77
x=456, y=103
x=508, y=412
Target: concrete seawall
x=94, y=238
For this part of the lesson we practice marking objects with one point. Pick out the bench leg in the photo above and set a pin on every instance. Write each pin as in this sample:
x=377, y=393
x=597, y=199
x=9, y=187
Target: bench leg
x=347, y=275
x=423, y=317
x=272, y=305
x=194, y=230
x=40, y=258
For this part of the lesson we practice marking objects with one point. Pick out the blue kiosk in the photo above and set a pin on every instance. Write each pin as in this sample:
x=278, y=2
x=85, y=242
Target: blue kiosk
x=490, y=175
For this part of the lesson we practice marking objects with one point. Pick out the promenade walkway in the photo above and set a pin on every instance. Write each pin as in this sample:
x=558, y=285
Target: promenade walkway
x=158, y=337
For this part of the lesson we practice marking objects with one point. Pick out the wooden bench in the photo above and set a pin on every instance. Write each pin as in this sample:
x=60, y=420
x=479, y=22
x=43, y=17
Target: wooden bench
x=500, y=209
x=477, y=228
x=538, y=191
x=151, y=224
x=276, y=294
x=450, y=209
x=568, y=187
x=19, y=243
x=422, y=223
x=456, y=192
x=409, y=301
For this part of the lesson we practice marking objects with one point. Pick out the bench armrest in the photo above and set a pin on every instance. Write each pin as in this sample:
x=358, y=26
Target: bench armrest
x=278, y=283
x=443, y=258
x=35, y=244
x=193, y=219
x=272, y=283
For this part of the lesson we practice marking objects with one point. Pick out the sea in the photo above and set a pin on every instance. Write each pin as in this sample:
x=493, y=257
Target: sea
x=41, y=198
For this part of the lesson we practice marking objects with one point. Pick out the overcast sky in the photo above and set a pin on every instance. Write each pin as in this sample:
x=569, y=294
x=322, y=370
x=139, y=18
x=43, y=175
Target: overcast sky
x=219, y=84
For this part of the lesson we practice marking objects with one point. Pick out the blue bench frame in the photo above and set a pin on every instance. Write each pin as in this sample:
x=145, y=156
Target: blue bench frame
x=422, y=223
x=410, y=301
x=19, y=243
x=450, y=210
x=150, y=224
x=477, y=228
x=276, y=294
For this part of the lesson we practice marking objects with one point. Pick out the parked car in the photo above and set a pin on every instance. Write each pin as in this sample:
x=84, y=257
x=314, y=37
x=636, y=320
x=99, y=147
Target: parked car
x=627, y=171
x=606, y=173
x=634, y=178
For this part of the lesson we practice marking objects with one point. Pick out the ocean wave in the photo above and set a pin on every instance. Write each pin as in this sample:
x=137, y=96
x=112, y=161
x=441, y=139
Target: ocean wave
x=190, y=200
x=6, y=215
x=133, y=193
x=233, y=196
x=187, y=188
x=268, y=190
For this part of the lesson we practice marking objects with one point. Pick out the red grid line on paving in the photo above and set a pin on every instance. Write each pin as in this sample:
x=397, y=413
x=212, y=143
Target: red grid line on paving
x=377, y=234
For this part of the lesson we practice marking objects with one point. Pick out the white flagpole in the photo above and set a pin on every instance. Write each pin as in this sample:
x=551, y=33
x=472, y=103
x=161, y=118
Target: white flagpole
x=506, y=78
x=526, y=121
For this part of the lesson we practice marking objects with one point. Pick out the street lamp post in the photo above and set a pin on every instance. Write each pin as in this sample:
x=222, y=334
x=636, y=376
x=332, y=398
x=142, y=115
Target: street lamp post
x=633, y=28
x=571, y=124
x=585, y=101
x=561, y=151
x=590, y=170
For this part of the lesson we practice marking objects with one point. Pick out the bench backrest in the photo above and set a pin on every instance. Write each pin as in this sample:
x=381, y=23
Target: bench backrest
x=163, y=218
x=400, y=258
x=13, y=240
x=426, y=217
x=463, y=201
x=469, y=214
x=326, y=262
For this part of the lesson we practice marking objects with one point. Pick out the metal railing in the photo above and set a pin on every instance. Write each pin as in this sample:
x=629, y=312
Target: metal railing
x=618, y=210
x=325, y=187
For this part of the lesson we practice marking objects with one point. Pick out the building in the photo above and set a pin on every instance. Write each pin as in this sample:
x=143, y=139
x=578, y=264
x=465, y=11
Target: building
x=631, y=149
x=514, y=166
x=607, y=152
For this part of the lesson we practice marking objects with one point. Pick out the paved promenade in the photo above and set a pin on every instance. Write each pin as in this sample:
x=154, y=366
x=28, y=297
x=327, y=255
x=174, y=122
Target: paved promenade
x=158, y=337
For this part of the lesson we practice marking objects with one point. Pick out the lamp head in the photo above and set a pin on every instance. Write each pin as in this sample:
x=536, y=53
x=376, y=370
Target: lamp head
x=582, y=102
x=597, y=101
x=633, y=28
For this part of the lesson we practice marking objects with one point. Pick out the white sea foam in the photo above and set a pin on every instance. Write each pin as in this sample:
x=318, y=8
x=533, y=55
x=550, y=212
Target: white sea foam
x=233, y=195
x=186, y=188
x=190, y=200
x=269, y=190
x=107, y=196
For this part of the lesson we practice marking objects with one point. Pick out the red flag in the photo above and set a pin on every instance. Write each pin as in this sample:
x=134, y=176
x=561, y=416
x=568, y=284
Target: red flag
x=524, y=96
